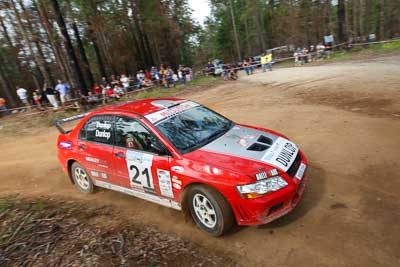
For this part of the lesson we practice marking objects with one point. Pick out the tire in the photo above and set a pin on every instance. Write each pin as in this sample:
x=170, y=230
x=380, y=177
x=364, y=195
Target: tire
x=210, y=211
x=81, y=178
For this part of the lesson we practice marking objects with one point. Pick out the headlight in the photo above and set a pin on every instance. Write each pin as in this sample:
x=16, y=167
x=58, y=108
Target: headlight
x=262, y=187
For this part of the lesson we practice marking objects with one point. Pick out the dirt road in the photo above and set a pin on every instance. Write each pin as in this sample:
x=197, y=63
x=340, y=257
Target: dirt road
x=345, y=117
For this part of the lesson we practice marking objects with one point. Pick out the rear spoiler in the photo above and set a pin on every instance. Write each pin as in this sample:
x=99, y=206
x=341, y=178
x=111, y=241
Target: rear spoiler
x=63, y=121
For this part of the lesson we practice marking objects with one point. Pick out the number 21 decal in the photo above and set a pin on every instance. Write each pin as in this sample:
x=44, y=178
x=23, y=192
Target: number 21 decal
x=141, y=177
x=139, y=168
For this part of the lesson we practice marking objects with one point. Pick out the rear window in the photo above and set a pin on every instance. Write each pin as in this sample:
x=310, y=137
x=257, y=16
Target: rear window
x=99, y=129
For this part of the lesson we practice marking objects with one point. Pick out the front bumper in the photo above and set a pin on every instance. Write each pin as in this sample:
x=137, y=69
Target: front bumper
x=274, y=205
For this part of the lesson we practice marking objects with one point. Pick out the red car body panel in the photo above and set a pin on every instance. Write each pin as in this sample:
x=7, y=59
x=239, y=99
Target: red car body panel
x=220, y=171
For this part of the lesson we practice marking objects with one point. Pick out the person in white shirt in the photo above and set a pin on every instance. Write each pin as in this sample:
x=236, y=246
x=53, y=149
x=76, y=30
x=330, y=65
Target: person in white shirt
x=125, y=82
x=23, y=95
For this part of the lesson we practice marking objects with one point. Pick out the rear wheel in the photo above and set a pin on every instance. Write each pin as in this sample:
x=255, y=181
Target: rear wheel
x=210, y=210
x=81, y=178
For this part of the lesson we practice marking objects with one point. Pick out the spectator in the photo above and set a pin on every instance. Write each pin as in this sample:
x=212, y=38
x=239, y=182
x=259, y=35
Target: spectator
x=91, y=99
x=63, y=90
x=305, y=55
x=36, y=98
x=96, y=89
x=147, y=75
x=51, y=96
x=175, y=79
x=210, y=68
x=110, y=93
x=269, y=60
x=140, y=75
x=189, y=74
x=180, y=76
x=264, y=62
x=125, y=82
x=246, y=67
x=118, y=90
x=114, y=80
x=251, y=65
x=3, y=108
x=104, y=83
x=23, y=96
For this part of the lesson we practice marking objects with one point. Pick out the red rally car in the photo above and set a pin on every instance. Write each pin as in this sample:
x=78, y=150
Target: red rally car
x=182, y=155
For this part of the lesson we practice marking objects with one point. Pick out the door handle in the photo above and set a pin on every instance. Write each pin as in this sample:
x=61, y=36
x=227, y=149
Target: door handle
x=120, y=155
x=82, y=147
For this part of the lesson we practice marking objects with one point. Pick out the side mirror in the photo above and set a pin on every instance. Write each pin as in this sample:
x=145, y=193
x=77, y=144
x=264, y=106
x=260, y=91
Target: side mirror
x=159, y=148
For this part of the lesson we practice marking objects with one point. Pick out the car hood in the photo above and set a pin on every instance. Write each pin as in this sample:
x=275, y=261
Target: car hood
x=250, y=151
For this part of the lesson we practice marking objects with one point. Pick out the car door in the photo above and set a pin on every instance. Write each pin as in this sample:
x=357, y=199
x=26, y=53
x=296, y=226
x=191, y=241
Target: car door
x=95, y=147
x=137, y=164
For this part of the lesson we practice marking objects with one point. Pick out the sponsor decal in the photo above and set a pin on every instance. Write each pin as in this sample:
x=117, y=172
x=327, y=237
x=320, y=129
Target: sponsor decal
x=103, y=129
x=94, y=173
x=261, y=175
x=177, y=186
x=103, y=125
x=139, y=169
x=66, y=145
x=300, y=171
x=164, y=181
x=103, y=134
x=94, y=160
x=177, y=169
x=281, y=154
x=272, y=172
x=176, y=183
x=173, y=111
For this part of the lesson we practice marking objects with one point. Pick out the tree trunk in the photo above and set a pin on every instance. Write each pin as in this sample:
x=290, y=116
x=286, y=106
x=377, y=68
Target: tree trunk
x=89, y=74
x=138, y=26
x=40, y=58
x=24, y=34
x=11, y=45
x=382, y=20
x=341, y=14
x=7, y=90
x=57, y=50
x=247, y=37
x=69, y=47
x=100, y=63
x=235, y=35
x=361, y=12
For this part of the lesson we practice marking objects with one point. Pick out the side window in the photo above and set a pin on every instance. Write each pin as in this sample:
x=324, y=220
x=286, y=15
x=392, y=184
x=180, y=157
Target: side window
x=130, y=133
x=98, y=129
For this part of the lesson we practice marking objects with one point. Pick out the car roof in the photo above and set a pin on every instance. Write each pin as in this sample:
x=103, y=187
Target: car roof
x=141, y=107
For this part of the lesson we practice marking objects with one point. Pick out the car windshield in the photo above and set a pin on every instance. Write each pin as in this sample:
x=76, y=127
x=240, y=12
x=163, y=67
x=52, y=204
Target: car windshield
x=194, y=128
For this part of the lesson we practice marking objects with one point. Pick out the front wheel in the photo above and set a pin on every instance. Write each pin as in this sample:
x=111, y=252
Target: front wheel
x=81, y=178
x=210, y=210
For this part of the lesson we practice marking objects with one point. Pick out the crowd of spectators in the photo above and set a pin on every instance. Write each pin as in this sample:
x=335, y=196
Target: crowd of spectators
x=107, y=89
x=313, y=53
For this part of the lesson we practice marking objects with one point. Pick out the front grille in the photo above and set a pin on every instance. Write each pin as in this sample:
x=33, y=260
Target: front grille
x=295, y=166
x=275, y=208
